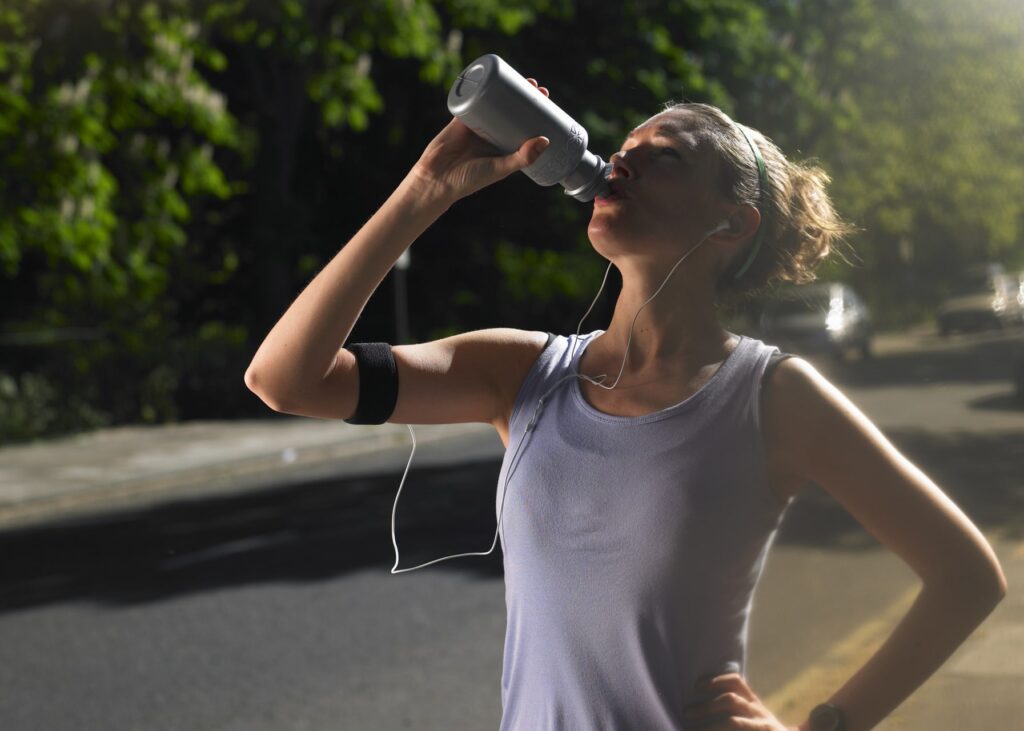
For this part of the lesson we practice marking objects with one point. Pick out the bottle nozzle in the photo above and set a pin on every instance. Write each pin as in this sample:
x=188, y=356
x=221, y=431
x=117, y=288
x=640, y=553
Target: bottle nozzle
x=598, y=183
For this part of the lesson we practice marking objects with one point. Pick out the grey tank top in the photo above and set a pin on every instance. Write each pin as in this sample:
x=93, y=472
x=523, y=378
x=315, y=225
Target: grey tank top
x=632, y=545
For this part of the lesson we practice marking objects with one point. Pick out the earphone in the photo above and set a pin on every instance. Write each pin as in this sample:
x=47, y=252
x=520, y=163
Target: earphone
x=531, y=425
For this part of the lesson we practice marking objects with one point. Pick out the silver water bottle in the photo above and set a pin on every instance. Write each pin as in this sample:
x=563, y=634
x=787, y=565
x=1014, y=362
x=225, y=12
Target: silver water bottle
x=501, y=106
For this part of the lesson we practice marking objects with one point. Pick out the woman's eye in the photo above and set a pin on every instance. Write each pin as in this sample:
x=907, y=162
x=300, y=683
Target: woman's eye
x=669, y=150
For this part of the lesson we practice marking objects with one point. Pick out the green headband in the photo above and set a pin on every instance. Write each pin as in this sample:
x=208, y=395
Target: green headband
x=765, y=192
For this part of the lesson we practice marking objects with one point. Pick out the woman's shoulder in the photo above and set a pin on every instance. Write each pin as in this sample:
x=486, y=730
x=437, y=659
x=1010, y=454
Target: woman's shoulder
x=519, y=351
x=774, y=358
x=794, y=396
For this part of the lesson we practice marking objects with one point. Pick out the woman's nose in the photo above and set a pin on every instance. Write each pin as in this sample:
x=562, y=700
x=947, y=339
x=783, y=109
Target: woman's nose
x=619, y=165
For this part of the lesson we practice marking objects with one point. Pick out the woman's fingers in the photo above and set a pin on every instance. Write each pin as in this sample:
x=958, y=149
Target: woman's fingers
x=525, y=156
x=720, y=708
x=543, y=89
x=460, y=162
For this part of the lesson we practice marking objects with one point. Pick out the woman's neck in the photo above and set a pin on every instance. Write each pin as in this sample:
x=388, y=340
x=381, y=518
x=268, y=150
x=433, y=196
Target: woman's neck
x=677, y=329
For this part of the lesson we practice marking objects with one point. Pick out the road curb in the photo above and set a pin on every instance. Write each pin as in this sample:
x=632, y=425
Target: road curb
x=294, y=463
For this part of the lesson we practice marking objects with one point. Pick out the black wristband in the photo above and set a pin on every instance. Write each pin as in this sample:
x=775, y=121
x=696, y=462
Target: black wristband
x=378, y=383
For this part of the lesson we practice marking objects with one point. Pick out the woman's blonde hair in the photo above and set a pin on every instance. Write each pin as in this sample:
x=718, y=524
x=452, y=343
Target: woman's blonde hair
x=803, y=228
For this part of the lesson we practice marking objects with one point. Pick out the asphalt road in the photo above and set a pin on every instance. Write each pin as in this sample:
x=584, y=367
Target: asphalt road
x=277, y=610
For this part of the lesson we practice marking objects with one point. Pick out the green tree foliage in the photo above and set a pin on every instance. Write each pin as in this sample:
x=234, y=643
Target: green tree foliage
x=108, y=135
x=177, y=170
x=118, y=141
x=918, y=114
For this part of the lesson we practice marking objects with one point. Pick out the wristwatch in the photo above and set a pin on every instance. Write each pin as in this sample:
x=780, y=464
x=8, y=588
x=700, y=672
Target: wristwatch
x=827, y=717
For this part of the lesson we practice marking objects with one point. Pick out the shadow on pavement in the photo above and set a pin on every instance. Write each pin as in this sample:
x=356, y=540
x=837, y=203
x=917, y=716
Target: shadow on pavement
x=307, y=532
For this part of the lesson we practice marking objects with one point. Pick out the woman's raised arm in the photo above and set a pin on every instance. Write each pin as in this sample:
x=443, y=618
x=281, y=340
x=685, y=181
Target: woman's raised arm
x=300, y=362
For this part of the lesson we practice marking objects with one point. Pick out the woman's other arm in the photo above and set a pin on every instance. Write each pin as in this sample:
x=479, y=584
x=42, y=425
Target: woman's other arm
x=825, y=438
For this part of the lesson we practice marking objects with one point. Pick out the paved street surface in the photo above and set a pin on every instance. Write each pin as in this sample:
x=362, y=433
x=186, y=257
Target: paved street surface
x=236, y=575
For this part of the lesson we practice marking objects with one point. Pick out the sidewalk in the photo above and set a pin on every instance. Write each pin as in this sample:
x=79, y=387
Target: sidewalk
x=136, y=466
x=979, y=686
x=976, y=689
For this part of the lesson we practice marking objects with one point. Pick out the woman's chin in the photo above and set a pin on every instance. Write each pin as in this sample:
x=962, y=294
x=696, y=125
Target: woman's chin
x=610, y=244
x=609, y=227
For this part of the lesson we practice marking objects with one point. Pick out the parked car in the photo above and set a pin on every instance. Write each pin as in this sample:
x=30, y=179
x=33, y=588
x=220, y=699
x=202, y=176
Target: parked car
x=1016, y=293
x=821, y=317
x=986, y=297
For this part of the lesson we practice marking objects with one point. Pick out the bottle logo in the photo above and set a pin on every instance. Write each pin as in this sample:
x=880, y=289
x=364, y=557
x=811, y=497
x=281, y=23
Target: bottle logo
x=556, y=163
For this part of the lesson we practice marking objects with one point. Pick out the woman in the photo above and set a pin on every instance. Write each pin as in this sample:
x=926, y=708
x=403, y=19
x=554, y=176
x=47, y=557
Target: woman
x=650, y=488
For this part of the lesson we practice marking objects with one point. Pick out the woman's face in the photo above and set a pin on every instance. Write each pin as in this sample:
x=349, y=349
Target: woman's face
x=665, y=179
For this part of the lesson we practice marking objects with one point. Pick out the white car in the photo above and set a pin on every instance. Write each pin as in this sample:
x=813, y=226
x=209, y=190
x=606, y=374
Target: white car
x=821, y=317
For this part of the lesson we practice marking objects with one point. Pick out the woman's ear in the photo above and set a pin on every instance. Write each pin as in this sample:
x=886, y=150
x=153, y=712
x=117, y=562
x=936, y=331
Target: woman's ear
x=731, y=241
x=743, y=222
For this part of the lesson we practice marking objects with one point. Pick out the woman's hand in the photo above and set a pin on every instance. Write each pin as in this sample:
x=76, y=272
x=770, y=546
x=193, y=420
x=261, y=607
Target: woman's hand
x=730, y=699
x=458, y=162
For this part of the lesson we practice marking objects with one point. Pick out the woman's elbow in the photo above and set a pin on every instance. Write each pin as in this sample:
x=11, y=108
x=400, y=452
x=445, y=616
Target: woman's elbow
x=987, y=586
x=255, y=383
x=1003, y=585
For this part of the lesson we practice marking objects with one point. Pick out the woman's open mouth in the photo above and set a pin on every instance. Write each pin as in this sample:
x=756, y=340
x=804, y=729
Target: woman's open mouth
x=610, y=198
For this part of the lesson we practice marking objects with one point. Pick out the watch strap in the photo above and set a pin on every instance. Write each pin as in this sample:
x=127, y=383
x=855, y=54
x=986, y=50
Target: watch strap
x=828, y=717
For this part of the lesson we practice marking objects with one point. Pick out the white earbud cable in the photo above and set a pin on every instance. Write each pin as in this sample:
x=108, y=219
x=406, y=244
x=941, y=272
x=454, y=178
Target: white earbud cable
x=513, y=463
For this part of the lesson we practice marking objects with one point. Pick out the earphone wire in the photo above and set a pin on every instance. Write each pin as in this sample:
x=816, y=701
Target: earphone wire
x=531, y=425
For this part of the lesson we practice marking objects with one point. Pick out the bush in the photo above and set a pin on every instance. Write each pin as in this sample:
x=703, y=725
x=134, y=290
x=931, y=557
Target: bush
x=31, y=407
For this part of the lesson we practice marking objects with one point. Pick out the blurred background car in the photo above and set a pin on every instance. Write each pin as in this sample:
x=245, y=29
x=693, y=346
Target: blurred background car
x=821, y=317
x=1016, y=293
x=986, y=297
